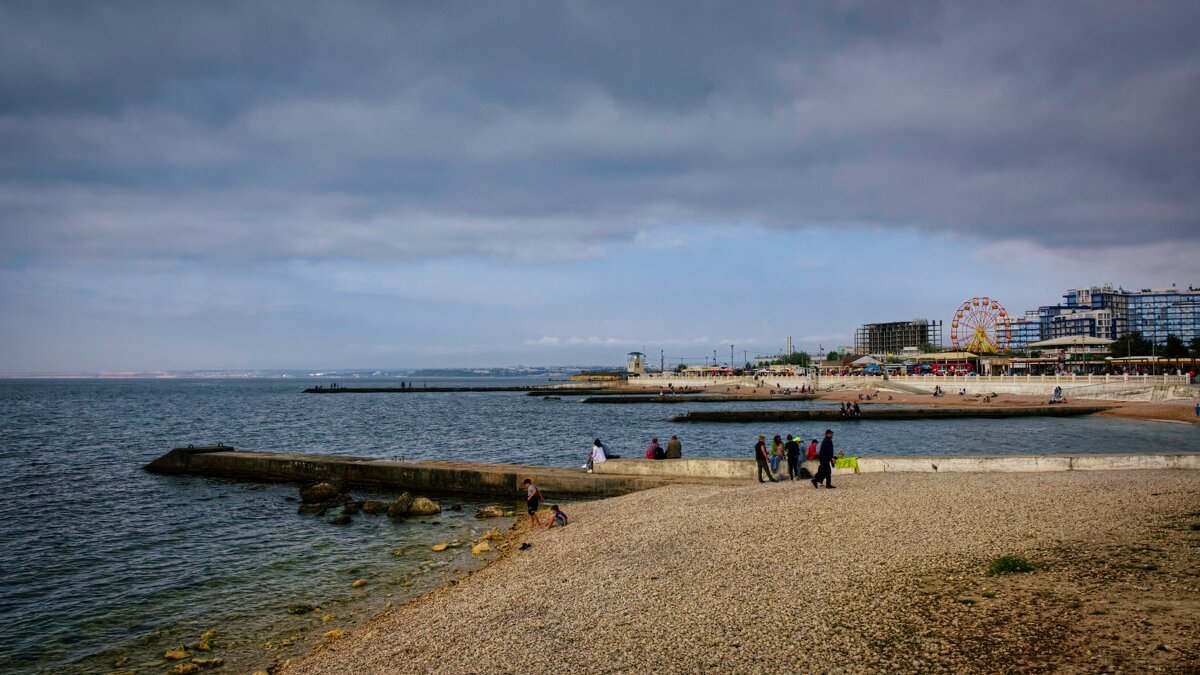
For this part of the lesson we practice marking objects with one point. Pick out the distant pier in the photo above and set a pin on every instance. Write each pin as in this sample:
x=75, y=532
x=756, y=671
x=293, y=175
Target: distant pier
x=694, y=398
x=872, y=413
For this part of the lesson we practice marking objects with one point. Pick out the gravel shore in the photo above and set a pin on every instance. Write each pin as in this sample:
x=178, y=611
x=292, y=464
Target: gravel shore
x=887, y=573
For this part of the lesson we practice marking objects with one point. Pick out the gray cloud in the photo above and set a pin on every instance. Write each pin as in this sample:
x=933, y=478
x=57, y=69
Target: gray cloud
x=543, y=130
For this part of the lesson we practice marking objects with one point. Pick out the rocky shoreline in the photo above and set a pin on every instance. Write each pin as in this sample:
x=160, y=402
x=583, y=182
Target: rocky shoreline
x=886, y=574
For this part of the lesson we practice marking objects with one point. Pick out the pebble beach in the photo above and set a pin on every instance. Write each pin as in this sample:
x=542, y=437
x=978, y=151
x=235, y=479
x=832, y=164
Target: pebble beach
x=887, y=573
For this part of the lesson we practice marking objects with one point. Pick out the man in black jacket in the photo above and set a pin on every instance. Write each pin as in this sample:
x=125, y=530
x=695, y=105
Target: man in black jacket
x=793, y=457
x=825, y=456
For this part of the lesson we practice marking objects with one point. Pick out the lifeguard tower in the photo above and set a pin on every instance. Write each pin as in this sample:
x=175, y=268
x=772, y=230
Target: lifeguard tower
x=636, y=364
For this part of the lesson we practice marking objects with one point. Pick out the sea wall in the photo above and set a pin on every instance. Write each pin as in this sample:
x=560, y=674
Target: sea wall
x=872, y=412
x=746, y=468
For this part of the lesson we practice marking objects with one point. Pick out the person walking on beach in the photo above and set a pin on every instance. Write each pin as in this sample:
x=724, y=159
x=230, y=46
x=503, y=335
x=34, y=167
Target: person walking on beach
x=533, y=499
x=674, y=448
x=793, y=457
x=760, y=456
x=825, y=471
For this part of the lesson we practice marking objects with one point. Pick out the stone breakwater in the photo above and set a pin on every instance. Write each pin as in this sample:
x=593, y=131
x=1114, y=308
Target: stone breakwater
x=876, y=413
x=887, y=574
x=485, y=480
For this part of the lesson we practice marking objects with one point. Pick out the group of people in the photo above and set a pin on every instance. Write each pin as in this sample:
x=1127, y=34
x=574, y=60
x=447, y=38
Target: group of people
x=850, y=409
x=674, y=449
x=533, y=501
x=769, y=459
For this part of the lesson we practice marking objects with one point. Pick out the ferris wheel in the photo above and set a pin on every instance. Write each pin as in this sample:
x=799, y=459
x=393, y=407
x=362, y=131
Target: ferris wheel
x=982, y=326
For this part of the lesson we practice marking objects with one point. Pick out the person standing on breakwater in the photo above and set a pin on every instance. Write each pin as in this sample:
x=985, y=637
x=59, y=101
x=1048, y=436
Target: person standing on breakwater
x=793, y=456
x=825, y=471
x=533, y=499
x=674, y=448
x=760, y=456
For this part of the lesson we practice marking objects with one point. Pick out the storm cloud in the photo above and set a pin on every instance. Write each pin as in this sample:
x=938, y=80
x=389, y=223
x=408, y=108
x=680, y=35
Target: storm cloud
x=544, y=130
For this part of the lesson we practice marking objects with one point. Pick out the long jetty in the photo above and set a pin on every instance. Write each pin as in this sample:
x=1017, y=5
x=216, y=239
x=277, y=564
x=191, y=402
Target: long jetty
x=868, y=413
x=534, y=390
x=430, y=477
x=693, y=398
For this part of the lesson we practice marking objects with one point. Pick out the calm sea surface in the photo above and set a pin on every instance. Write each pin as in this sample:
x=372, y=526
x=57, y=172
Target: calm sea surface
x=103, y=562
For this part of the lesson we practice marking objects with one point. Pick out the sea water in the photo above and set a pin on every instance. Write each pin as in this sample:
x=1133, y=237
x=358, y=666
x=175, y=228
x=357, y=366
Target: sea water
x=103, y=563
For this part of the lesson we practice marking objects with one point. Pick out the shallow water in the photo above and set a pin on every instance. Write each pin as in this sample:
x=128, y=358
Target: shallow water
x=103, y=561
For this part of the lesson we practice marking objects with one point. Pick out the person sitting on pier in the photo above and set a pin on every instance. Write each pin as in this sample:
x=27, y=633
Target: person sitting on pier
x=559, y=518
x=674, y=448
x=596, y=456
x=653, y=449
x=857, y=411
x=842, y=409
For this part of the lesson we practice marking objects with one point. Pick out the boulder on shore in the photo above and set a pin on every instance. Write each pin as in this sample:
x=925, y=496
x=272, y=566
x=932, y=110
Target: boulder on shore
x=319, y=493
x=399, y=507
x=490, y=512
x=422, y=506
x=373, y=507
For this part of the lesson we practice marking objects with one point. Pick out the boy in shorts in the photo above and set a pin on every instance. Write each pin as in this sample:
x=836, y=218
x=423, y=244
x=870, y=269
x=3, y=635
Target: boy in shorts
x=559, y=518
x=533, y=499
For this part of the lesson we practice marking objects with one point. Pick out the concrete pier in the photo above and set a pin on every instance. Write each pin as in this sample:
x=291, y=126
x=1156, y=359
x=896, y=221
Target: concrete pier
x=488, y=480
x=745, y=469
x=898, y=413
x=694, y=398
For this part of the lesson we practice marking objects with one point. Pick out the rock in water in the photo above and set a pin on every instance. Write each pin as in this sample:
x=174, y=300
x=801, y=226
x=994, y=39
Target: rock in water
x=176, y=654
x=316, y=494
x=490, y=512
x=481, y=547
x=440, y=547
x=296, y=609
x=358, y=583
x=335, y=634
x=373, y=507
x=340, y=520
x=318, y=509
x=424, y=507
x=399, y=507
x=352, y=508
x=209, y=663
x=185, y=669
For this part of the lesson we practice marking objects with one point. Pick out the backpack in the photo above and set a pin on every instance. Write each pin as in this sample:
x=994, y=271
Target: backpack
x=659, y=453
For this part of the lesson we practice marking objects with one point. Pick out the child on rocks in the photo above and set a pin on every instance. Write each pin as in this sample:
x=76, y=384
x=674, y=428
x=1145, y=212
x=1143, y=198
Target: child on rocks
x=559, y=518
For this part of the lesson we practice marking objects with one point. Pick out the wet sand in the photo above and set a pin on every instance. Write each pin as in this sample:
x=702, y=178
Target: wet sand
x=885, y=574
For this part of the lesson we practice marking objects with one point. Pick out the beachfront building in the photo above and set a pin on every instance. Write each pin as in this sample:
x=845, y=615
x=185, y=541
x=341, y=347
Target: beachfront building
x=896, y=337
x=1025, y=329
x=1112, y=313
x=635, y=364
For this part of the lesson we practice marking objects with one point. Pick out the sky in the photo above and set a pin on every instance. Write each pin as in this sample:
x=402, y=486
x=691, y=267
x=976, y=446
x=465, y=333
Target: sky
x=308, y=185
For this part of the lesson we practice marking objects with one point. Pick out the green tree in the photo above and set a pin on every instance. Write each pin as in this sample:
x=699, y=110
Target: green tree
x=928, y=347
x=832, y=356
x=1131, y=345
x=1196, y=346
x=796, y=359
x=1175, y=348
x=681, y=367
